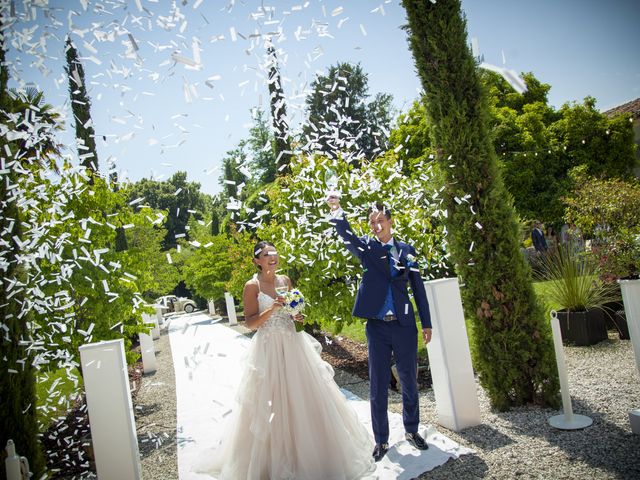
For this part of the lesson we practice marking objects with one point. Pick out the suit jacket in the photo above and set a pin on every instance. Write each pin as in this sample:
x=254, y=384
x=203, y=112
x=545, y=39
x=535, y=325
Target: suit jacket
x=376, y=278
x=539, y=242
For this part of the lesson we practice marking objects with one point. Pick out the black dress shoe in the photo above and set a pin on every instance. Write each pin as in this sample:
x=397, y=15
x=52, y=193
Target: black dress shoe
x=416, y=440
x=380, y=451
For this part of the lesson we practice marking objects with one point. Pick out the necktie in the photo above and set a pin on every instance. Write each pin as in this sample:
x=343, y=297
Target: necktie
x=391, y=260
x=388, y=308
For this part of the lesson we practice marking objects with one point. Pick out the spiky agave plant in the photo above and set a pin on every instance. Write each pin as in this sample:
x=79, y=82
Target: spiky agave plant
x=575, y=284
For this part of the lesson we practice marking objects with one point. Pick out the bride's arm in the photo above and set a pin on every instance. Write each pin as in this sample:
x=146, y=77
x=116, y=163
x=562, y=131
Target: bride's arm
x=253, y=319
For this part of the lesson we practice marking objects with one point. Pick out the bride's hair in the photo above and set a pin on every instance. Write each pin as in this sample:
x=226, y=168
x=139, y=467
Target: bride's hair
x=259, y=247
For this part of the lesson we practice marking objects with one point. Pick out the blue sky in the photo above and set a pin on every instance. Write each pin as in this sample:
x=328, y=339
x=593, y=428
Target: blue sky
x=153, y=128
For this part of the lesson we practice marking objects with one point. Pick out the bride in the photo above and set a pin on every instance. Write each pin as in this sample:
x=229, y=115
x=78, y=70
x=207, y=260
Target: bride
x=292, y=421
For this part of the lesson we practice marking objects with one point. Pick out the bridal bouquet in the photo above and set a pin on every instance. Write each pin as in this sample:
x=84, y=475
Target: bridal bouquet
x=293, y=302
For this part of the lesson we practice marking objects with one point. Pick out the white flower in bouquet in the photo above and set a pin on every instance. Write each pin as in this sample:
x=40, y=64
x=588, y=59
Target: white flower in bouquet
x=293, y=302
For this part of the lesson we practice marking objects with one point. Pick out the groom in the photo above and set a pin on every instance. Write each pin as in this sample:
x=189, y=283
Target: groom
x=382, y=299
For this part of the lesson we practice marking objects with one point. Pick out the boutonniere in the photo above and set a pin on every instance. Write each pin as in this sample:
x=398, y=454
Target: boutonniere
x=412, y=263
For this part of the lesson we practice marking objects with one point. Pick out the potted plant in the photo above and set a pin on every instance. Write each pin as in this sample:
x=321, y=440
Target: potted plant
x=619, y=259
x=606, y=210
x=575, y=287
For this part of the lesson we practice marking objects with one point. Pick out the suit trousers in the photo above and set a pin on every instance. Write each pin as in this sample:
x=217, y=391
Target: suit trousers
x=383, y=338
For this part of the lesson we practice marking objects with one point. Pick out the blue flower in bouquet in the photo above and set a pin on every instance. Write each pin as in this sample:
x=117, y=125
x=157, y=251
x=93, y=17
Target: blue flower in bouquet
x=293, y=302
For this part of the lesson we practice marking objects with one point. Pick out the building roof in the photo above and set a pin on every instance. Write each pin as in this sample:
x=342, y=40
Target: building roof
x=632, y=107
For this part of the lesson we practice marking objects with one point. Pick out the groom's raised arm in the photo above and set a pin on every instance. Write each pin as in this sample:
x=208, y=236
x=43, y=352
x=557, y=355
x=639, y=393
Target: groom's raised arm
x=337, y=218
x=354, y=244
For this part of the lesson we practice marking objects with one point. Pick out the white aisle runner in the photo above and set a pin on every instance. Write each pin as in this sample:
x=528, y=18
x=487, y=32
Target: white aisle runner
x=208, y=361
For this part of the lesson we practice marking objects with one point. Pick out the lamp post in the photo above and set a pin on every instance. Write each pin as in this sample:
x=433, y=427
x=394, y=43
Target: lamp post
x=568, y=420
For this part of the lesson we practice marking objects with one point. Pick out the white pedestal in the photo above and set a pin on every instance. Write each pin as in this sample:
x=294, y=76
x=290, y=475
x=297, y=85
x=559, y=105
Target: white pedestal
x=159, y=316
x=152, y=320
x=631, y=299
x=212, y=308
x=113, y=429
x=450, y=358
x=231, y=309
x=634, y=419
x=148, y=351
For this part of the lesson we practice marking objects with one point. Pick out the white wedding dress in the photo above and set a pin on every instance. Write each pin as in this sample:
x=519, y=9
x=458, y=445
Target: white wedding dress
x=292, y=421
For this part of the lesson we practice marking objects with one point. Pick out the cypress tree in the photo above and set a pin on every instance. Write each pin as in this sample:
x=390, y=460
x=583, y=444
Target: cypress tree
x=85, y=133
x=18, y=380
x=513, y=351
x=278, y=114
x=81, y=108
x=215, y=223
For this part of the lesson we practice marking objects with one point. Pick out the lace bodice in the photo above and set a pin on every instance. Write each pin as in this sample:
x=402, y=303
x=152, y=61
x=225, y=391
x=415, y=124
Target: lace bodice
x=280, y=321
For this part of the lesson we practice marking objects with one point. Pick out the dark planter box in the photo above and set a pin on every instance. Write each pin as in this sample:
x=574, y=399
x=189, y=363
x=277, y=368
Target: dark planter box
x=616, y=319
x=583, y=328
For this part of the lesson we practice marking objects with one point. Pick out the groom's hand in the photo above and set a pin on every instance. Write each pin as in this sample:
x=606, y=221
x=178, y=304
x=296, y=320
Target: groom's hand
x=333, y=200
x=426, y=335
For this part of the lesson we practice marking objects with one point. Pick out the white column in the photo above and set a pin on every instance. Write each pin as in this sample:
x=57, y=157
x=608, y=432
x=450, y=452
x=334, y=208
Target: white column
x=231, y=309
x=212, y=308
x=159, y=316
x=631, y=299
x=113, y=429
x=148, y=351
x=148, y=319
x=450, y=358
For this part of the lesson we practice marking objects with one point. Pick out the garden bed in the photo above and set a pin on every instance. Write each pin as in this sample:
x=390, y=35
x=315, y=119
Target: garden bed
x=352, y=357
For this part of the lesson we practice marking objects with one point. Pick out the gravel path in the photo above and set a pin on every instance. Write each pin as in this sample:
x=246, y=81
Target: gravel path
x=155, y=413
x=604, y=385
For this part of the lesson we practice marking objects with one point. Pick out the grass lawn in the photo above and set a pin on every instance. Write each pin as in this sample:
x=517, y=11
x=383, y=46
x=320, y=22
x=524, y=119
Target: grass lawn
x=356, y=332
x=541, y=289
x=59, y=384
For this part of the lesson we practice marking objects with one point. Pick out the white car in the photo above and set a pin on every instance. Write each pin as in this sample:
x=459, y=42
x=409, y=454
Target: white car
x=176, y=304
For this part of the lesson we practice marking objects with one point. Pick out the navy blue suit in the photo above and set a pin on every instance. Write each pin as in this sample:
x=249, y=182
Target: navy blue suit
x=383, y=338
x=539, y=242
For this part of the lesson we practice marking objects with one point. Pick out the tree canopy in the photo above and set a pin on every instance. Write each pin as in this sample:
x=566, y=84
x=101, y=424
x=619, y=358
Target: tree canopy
x=177, y=197
x=339, y=118
x=537, y=145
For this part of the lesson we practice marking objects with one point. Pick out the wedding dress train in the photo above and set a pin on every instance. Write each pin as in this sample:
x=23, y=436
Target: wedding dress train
x=292, y=421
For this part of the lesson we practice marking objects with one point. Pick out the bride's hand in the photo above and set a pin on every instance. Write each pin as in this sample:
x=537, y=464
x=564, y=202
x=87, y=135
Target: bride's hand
x=298, y=317
x=278, y=302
